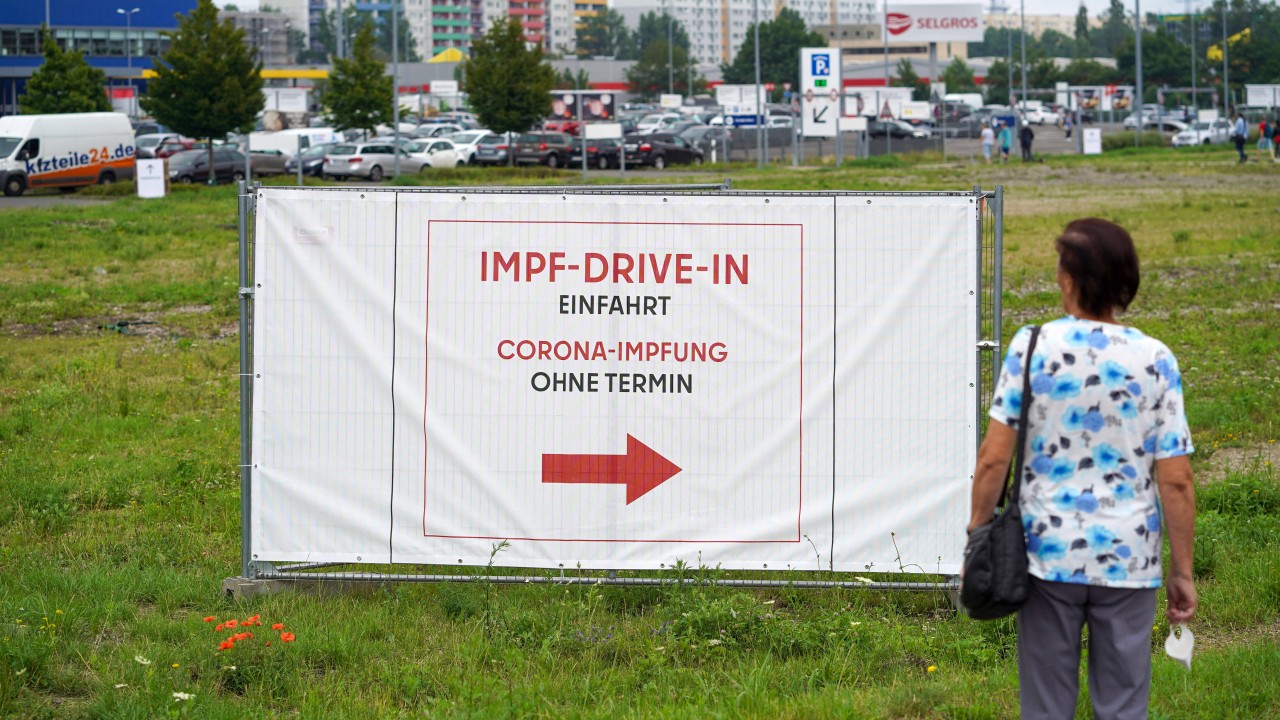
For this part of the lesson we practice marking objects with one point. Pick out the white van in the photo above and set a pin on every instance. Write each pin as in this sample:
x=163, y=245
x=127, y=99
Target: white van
x=64, y=151
x=286, y=141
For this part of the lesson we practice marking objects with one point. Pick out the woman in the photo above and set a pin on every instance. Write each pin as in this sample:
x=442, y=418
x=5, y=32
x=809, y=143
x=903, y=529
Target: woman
x=1006, y=142
x=1106, y=431
x=988, y=141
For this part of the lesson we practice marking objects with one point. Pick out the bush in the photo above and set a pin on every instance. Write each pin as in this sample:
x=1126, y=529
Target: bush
x=1120, y=141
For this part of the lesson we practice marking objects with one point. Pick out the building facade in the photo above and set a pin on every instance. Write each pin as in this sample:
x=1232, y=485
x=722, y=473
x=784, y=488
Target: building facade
x=119, y=43
x=1038, y=24
x=266, y=34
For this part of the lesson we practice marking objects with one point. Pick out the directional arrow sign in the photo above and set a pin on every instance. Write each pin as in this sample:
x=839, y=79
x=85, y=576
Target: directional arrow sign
x=641, y=469
x=820, y=112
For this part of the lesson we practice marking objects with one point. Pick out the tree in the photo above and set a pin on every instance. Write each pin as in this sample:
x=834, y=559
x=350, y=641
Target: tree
x=360, y=94
x=1116, y=28
x=1087, y=71
x=1083, y=46
x=959, y=77
x=649, y=76
x=907, y=77
x=65, y=83
x=1055, y=44
x=568, y=80
x=509, y=82
x=996, y=84
x=653, y=28
x=207, y=84
x=605, y=34
x=780, y=42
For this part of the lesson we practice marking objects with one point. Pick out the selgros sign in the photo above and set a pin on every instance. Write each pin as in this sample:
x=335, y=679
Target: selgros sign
x=952, y=22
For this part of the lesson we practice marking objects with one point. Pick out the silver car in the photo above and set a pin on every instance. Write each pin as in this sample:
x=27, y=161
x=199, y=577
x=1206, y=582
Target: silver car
x=374, y=161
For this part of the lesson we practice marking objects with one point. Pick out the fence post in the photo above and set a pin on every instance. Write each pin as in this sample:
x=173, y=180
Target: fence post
x=246, y=378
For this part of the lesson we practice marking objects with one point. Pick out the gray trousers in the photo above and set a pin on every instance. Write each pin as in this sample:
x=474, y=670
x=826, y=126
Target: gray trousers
x=1049, y=625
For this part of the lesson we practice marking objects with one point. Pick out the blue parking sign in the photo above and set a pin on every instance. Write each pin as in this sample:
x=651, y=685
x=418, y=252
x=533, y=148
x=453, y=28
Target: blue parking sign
x=821, y=65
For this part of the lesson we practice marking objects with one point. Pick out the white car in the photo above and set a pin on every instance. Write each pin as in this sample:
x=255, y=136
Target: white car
x=465, y=143
x=1203, y=133
x=657, y=122
x=436, y=152
x=1042, y=115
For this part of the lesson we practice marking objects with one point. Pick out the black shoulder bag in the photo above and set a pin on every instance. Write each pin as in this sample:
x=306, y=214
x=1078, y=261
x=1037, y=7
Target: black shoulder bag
x=995, y=558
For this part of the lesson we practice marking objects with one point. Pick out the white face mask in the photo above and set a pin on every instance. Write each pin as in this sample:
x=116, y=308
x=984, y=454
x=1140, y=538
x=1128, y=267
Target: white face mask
x=1179, y=644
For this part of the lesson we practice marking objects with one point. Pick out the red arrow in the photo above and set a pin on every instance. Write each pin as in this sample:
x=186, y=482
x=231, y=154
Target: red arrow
x=641, y=469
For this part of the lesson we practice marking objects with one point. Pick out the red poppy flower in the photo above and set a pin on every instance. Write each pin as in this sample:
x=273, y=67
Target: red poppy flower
x=253, y=620
x=219, y=628
x=286, y=637
x=231, y=623
x=210, y=619
x=268, y=643
x=226, y=645
x=278, y=626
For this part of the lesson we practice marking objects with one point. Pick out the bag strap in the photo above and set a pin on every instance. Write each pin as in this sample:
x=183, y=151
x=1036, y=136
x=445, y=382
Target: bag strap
x=1023, y=417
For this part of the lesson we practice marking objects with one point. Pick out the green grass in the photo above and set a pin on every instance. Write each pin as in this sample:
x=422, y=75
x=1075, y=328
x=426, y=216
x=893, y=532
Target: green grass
x=119, y=491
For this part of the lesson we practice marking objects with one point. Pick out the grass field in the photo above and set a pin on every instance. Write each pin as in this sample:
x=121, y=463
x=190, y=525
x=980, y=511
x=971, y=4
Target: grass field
x=119, y=493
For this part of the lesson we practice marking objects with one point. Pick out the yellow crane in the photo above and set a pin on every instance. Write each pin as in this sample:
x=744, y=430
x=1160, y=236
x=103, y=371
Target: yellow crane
x=1214, y=53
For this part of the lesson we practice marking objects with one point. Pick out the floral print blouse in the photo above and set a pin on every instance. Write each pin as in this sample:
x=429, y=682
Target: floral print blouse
x=1106, y=403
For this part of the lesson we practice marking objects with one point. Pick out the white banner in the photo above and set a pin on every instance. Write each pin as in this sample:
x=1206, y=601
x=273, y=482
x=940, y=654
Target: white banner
x=952, y=22
x=614, y=381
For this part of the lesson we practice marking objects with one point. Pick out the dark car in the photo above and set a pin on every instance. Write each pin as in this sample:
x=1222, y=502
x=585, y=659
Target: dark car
x=493, y=150
x=312, y=160
x=543, y=148
x=602, y=154
x=661, y=150
x=268, y=162
x=190, y=166
x=701, y=137
x=894, y=128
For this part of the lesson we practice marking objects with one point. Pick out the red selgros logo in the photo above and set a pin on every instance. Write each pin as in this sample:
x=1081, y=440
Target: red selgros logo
x=897, y=23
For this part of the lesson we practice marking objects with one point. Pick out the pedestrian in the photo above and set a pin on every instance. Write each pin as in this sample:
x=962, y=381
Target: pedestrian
x=1274, y=130
x=1006, y=142
x=1107, y=442
x=1066, y=126
x=1025, y=138
x=988, y=141
x=1264, y=140
x=1239, y=134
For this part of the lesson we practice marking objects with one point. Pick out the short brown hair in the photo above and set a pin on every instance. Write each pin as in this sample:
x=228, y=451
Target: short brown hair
x=1100, y=258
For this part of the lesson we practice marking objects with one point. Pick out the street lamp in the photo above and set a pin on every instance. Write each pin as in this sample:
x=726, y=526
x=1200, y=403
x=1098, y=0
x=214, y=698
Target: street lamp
x=266, y=40
x=128, y=35
x=128, y=48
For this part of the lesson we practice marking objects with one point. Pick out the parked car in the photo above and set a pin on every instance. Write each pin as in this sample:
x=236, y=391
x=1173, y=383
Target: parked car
x=149, y=128
x=1168, y=125
x=438, y=153
x=601, y=154
x=542, y=148
x=493, y=150
x=702, y=136
x=660, y=150
x=657, y=122
x=312, y=160
x=267, y=162
x=192, y=166
x=1203, y=133
x=145, y=145
x=172, y=146
x=466, y=143
x=892, y=128
x=373, y=160
x=434, y=130
x=1042, y=115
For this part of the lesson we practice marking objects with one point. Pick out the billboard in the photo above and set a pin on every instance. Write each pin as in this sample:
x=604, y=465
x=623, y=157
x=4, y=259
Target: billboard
x=613, y=380
x=596, y=106
x=952, y=22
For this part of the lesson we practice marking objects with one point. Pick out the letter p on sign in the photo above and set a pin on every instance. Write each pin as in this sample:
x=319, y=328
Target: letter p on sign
x=821, y=65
